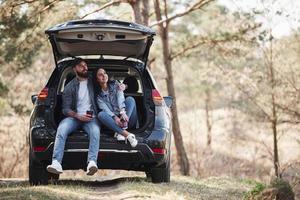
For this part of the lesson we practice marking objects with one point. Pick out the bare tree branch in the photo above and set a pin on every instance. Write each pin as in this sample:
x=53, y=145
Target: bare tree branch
x=269, y=150
x=288, y=121
x=207, y=40
x=151, y=60
x=251, y=98
x=196, y=6
x=288, y=110
x=23, y=2
x=289, y=165
x=111, y=3
x=47, y=7
x=291, y=82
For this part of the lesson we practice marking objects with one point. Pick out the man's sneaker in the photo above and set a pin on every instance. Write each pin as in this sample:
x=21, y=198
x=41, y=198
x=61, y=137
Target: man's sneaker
x=55, y=167
x=119, y=137
x=91, y=168
x=131, y=138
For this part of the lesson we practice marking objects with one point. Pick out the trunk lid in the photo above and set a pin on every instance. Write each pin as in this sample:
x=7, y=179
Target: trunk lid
x=100, y=37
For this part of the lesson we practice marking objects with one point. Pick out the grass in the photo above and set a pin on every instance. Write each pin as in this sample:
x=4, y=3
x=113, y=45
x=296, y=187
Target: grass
x=131, y=188
x=259, y=187
x=51, y=192
x=190, y=188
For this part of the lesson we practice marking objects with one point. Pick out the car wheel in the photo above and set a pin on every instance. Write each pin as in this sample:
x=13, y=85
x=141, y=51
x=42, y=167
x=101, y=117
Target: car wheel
x=162, y=173
x=53, y=177
x=148, y=175
x=38, y=174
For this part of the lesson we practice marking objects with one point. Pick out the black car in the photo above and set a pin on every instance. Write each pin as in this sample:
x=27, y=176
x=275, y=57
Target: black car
x=122, y=49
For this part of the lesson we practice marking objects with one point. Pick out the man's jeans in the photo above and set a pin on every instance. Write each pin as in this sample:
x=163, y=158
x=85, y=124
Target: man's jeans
x=70, y=124
x=131, y=112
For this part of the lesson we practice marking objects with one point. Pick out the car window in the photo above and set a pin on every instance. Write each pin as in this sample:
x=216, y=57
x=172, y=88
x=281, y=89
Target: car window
x=135, y=87
x=132, y=79
x=66, y=77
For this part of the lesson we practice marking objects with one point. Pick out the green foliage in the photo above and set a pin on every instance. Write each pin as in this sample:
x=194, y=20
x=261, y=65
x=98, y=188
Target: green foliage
x=3, y=89
x=237, y=15
x=223, y=10
x=282, y=190
x=22, y=27
x=258, y=188
x=249, y=182
x=283, y=187
x=13, y=24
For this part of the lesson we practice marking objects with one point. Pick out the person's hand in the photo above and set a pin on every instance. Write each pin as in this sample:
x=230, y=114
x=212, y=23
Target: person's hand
x=88, y=115
x=118, y=121
x=84, y=118
x=122, y=86
x=124, y=117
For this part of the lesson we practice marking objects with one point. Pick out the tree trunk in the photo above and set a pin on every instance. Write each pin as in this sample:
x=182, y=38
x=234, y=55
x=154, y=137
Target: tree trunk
x=276, y=159
x=208, y=117
x=274, y=119
x=135, y=4
x=163, y=32
x=145, y=12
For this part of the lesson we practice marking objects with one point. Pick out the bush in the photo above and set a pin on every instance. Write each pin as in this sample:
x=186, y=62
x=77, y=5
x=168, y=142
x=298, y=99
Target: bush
x=278, y=189
x=258, y=188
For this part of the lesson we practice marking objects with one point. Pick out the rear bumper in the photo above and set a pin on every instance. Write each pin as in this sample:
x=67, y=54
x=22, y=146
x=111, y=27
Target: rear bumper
x=111, y=156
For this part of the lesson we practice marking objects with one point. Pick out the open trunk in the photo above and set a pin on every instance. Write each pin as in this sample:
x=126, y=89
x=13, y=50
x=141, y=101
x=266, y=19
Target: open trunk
x=101, y=38
x=129, y=75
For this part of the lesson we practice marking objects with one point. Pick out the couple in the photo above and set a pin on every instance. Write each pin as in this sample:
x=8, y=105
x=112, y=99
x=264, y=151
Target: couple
x=80, y=108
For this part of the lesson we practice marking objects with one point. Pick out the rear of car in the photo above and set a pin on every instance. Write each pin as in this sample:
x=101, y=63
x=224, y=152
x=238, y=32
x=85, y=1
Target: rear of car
x=102, y=43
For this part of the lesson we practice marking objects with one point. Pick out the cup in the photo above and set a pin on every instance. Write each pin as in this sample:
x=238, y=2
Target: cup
x=124, y=123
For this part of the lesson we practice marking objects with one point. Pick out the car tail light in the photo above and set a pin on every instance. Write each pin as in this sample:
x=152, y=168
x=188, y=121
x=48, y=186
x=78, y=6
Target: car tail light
x=157, y=99
x=159, y=150
x=39, y=149
x=43, y=94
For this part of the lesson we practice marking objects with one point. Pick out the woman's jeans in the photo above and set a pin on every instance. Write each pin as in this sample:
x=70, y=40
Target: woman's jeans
x=131, y=112
x=70, y=124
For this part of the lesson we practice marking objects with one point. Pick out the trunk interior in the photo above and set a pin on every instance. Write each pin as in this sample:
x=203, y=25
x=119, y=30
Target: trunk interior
x=127, y=75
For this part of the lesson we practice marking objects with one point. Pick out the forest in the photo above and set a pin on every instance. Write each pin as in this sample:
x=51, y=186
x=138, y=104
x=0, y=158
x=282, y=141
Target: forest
x=231, y=67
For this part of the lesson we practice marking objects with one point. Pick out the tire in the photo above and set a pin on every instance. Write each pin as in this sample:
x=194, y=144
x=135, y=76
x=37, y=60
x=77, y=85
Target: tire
x=161, y=174
x=148, y=175
x=53, y=178
x=38, y=174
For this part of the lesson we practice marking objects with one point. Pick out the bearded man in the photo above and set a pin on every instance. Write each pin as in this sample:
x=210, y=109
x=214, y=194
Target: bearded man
x=78, y=105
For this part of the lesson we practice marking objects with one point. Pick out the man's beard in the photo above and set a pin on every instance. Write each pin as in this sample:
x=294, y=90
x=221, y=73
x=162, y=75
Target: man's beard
x=82, y=74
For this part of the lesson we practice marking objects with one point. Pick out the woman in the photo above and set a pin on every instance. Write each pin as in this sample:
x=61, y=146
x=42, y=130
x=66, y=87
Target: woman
x=117, y=112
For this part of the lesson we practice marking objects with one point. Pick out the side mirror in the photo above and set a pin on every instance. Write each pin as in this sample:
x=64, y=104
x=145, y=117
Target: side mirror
x=169, y=101
x=34, y=98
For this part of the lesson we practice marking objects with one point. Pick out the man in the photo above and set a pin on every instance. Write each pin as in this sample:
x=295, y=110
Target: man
x=80, y=108
x=117, y=112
